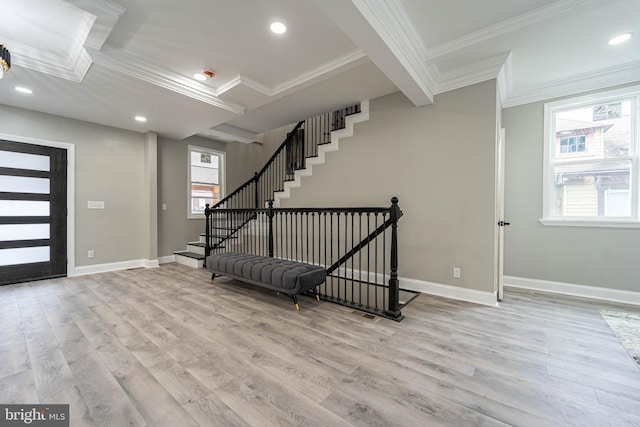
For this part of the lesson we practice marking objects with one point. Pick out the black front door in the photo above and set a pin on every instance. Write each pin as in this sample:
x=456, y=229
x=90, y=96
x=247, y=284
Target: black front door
x=33, y=212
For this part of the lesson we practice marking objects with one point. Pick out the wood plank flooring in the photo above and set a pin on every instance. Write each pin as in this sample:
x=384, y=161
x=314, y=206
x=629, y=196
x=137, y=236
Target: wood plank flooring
x=163, y=347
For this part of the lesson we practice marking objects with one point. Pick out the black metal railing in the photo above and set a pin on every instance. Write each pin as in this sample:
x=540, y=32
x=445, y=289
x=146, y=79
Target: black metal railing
x=300, y=144
x=357, y=246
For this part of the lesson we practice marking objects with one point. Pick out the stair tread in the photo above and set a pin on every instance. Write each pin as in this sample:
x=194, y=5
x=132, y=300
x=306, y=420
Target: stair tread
x=189, y=254
x=199, y=244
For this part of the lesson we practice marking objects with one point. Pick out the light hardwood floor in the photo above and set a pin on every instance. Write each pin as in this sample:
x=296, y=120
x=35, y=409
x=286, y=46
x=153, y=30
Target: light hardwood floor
x=163, y=347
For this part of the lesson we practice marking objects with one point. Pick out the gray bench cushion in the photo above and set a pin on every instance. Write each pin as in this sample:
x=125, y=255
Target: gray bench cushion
x=274, y=273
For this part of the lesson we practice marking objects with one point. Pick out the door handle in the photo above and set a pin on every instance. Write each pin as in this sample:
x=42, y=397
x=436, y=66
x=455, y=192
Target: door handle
x=502, y=223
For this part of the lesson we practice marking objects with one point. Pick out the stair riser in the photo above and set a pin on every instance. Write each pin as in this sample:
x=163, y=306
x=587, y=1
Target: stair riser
x=190, y=262
x=195, y=249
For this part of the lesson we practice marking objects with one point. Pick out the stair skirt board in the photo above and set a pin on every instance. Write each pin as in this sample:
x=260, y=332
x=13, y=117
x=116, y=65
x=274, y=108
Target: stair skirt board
x=319, y=159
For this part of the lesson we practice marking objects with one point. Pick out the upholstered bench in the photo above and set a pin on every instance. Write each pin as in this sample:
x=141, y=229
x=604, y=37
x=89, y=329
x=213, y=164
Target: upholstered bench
x=289, y=277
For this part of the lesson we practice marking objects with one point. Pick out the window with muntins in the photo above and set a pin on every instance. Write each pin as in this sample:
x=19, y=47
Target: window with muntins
x=206, y=168
x=591, y=160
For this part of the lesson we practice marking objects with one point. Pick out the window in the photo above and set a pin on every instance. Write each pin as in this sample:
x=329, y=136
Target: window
x=206, y=172
x=572, y=144
x=591, y=160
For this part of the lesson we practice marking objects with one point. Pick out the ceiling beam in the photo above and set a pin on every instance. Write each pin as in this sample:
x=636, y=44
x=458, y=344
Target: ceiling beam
x=384, y=32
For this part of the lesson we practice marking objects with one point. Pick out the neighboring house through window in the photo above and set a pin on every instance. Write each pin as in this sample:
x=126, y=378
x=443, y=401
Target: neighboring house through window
x=591, y=160
x=206, y=178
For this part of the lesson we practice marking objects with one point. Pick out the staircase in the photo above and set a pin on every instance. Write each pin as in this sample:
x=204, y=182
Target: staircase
x=305, y=146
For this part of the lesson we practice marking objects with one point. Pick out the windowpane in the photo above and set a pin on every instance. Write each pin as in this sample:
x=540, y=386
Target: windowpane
x=23, y=208
x=580, y=190
x=597, y=131
x=201, y=195
x=10, y=232
x=204, y=175
x=24, y=184
x=10, y=159
x=24, y=255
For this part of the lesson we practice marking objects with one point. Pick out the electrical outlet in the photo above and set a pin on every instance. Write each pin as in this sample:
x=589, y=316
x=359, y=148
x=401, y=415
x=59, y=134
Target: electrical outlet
x=456, y=272
x=90, y=254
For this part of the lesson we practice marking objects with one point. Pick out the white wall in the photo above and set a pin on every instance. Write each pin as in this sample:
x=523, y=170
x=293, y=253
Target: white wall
x=440, y=161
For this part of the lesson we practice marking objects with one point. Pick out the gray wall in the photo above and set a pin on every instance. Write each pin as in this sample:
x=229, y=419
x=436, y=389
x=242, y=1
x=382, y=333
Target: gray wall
x=603, y=257
x=440, y=161
x=174, y=228
x=109, y=167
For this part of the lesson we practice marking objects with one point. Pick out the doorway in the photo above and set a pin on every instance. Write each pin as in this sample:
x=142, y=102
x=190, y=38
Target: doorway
x=33, y=212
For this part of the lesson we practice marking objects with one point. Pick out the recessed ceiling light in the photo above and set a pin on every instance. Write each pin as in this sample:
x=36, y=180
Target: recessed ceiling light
x=278, y=28
x=141, y=119
x=24, y=90
x=200, y=77
x=620, y=39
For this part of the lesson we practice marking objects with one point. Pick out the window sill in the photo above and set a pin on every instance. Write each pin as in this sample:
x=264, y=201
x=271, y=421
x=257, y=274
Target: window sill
x=590, y=223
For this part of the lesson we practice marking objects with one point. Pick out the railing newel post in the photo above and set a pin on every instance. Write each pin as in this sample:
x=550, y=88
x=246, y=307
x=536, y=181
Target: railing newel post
x=207, y=233
x=270, y=237
x=394, y=285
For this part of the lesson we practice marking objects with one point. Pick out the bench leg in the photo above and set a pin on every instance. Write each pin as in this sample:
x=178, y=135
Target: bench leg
x=295, y=301
x=213, y=276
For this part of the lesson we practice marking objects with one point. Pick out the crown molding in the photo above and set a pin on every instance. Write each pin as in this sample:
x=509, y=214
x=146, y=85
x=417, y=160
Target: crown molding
x=595, y=80
x=390, y=20
x=98, y=7
x=107, y=14
x=507, y=26
x=474, y=73
x=135, y=67
x=75, y=63
x=349, y=59
x=230, y=133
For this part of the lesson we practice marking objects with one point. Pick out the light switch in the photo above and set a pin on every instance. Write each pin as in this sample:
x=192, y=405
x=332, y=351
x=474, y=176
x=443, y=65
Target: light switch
x=95, y=204
x=164, y=206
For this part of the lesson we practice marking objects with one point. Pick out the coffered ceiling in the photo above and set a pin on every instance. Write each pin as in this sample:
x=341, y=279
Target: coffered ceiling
x=106, y=61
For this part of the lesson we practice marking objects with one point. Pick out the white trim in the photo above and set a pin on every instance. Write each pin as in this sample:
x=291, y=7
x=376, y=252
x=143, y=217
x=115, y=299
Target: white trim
x=151, y=263
x=583, y=291
x=71, y=182
x=449, y=291
x=135, y=67
x=579, y=83
x=589, y=223
x=354, y=57
x=509, y=25
x=166, y=259
x=114, y=266
x=391, y=21
x=471, y=74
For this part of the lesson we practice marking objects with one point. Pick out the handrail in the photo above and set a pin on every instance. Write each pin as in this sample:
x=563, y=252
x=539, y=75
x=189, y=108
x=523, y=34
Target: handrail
x=280, y=148
x=234, y=192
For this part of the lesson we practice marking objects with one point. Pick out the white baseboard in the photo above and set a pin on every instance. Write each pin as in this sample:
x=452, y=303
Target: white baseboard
x=166, y=259
x=583, y=291
x=448, y=291
x=114, y=266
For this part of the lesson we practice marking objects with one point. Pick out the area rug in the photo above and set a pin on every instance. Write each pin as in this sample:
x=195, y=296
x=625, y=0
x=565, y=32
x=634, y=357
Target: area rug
x=626, y=326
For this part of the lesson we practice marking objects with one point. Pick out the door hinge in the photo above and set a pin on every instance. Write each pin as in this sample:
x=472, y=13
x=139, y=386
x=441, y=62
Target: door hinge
x=503, y=223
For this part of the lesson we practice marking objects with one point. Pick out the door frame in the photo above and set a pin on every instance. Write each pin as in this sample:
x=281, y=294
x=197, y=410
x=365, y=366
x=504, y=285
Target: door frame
x=499, y=233
x=71, y=179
